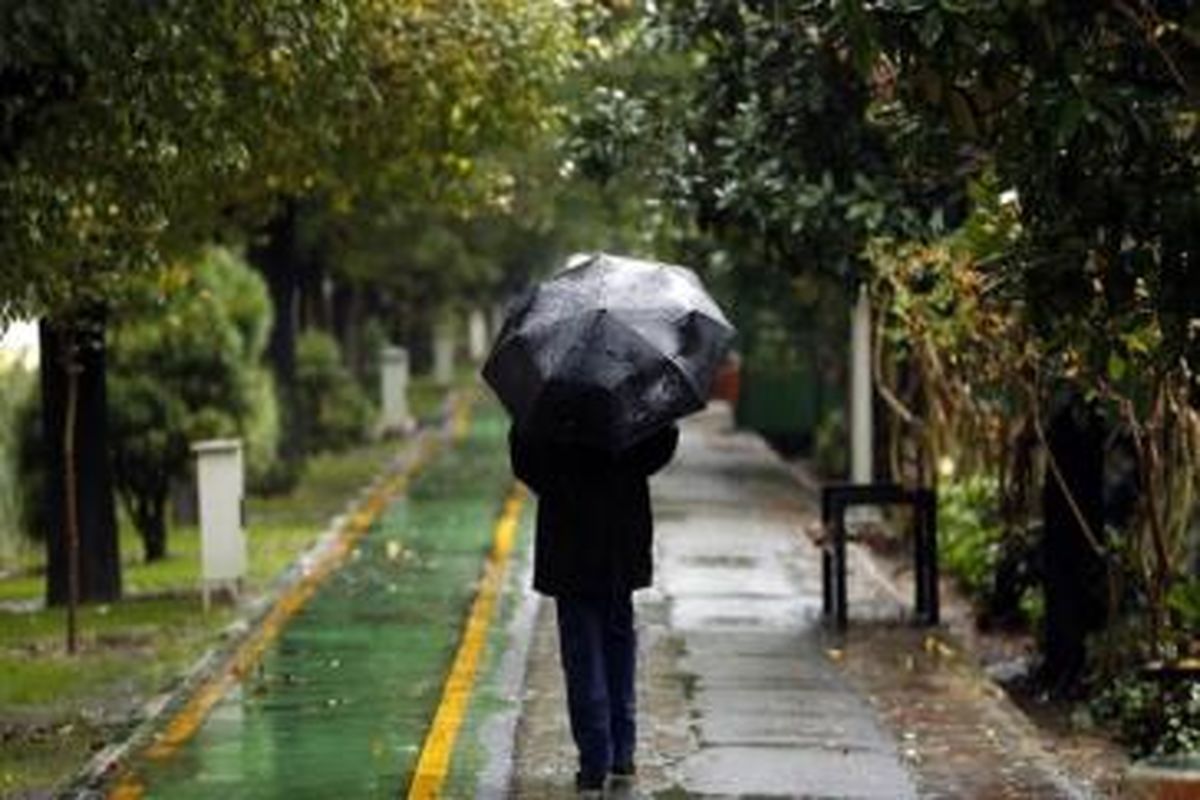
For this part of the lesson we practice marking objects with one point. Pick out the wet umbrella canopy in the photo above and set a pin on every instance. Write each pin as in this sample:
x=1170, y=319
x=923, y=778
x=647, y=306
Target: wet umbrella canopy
x=607, y=351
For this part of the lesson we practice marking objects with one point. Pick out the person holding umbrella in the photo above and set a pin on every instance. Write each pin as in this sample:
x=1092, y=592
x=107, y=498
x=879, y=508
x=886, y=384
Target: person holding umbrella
x=594, y=365
x=591, y=552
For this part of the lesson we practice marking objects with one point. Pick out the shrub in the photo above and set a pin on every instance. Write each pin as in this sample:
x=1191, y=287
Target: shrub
x=333, y=409
x=32, y=472
x=969, y=542
x=17, y=398
x=183, y=366
x=829, y=445
x=260, y=435
x=998, y=569
x=1183, y=602
x=1154, y=715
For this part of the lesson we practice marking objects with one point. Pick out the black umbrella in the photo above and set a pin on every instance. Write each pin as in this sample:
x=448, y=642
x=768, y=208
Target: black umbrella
x=607, y=351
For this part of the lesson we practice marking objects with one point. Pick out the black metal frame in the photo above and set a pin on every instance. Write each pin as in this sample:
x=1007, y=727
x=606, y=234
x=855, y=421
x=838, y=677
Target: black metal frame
x=835, y=499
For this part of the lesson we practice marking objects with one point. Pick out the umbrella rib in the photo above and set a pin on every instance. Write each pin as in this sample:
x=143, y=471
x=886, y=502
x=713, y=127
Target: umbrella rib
x=670, y=359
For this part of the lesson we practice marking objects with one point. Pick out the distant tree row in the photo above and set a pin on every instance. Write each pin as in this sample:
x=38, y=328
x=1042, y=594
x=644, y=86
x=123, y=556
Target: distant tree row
x=134, y=134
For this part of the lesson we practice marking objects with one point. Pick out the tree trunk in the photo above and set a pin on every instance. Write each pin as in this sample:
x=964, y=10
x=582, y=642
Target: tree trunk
x=346, y=315
x=151, y=520
x=276, y=258
x=1074, y=574
x=99, y=576
x=70, y=361
x=314, y=303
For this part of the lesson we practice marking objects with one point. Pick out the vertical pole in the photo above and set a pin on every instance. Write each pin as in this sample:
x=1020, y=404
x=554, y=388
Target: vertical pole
x=826, y=558
x=477, y=335
x=839, y=566
x=931, y=553
x=921, y=553
x=497, y=321
x=443, y=352
x=71, y=484
x=861, y=421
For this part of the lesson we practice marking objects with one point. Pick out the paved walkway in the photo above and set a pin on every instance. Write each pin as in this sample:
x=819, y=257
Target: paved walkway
x=744, y=694
x=742, y=691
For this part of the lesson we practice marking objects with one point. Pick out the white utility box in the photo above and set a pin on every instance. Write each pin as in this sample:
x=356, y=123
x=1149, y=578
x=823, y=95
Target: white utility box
x=498, y=317
x=477, y=335
x=443, y=354
x=220, y=489
x=393, y=389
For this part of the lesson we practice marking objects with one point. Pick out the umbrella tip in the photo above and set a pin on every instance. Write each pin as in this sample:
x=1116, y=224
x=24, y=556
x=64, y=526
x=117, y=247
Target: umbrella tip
x=575, y=259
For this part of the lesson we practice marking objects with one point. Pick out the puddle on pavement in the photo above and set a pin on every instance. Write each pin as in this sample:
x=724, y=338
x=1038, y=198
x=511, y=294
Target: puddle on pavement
x=730, y=562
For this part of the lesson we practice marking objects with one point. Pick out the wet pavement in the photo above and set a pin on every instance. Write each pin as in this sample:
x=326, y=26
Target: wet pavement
x=339, y=703
x=743, y=692
x=958, y=732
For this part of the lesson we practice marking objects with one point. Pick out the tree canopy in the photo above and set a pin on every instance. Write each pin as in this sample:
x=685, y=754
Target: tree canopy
x=131, y=130
x=1017, y=182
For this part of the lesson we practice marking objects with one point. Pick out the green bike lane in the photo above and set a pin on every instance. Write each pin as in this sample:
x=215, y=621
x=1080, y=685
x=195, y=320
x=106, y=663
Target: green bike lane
x=340, y=702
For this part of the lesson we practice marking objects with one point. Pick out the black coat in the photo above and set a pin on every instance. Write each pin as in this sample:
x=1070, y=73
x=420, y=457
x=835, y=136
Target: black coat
x=594, y=526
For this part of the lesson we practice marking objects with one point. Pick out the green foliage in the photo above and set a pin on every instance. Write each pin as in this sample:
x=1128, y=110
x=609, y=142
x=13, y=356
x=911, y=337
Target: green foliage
x=968, y=535
x=1087, y=116
x=260, y=431
x=830, y=445
x=30, y=463
x=133, y=130
x=1184, y=603
x=335, y=413
x=183, y=366
x=16, y=390
x=1154, y=714
x=373, y=337
x=130, y=127
x=997, y=568
x=724, y=107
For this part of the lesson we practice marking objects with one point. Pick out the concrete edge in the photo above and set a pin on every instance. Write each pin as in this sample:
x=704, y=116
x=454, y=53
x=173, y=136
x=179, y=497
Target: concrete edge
x=498, y=733
x=91, y=780
x=1144, y=780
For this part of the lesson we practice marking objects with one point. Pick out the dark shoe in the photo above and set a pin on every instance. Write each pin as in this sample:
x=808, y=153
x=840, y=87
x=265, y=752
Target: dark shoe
x=588, y=787
x=622, y=783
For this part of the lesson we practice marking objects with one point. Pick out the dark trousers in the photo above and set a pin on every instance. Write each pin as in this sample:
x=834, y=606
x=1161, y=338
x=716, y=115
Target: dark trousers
x=598, y=648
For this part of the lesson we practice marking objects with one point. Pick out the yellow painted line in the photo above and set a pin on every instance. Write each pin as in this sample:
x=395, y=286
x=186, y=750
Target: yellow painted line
x=462, y=419
x=434, y=762
x=189, y=719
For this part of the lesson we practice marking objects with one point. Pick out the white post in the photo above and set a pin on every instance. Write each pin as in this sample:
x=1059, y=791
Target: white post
x=861, y=420
x=497, y=320
x=393, y=390
x=220, y=487
x=477, y=335
x=443, y=353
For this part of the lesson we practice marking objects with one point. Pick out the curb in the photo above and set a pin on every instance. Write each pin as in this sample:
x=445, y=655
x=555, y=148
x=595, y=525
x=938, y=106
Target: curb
x=99, y=776
x=1148, y=781
x=499, y=733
